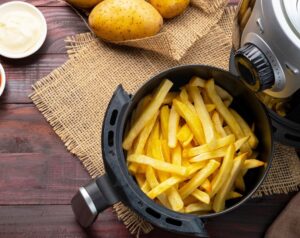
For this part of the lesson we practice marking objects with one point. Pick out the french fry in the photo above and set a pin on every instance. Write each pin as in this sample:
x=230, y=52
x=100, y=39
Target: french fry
x=209, y=146
x=197, y=82
x=198, y=179
x=227, y=103
x=184, y=97
x=206, y=98
x=155, y=132
x=151, y=177
x=143, y=136
x=197, y=207
x=173, y=127
x=233, y=195
x=219, y=201
x=175, y=199
x=176, y=156
x=201, y=196
x=164, y=186
x=148, y=113
x=152, y=181
x=239, y=143
x=157, y=153
x=191, y=119
x=224, y=95
x=141, y=106
x=145, y=187
x=203, y=114
x=206, y=185
x=154, y=135
x=185, y=162
x=189, y=200
x=224, y=171
x=195, y=167
x=184, y=135
x=133, y=118
x=164, y=121
x=158, y=165
x=133, y=168
x=140, y=178
x=166, y=151
x=253, y=141
x=227, y=130
x=218, y=124
x=169, y=98
x=252, y=163
x=239, y=183
x=220, y=152
x=210, y=107
x=225, y=113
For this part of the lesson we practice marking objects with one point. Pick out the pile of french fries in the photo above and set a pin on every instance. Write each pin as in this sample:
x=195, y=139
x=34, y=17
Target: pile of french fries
x=188, y=150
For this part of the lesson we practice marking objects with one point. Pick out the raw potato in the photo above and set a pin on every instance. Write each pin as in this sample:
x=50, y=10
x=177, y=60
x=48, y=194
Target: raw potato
x=119, y=20
x=170, y=8
x=84, y=3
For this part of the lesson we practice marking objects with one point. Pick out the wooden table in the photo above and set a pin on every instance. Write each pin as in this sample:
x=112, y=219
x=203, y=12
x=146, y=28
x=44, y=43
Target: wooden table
x=38, y=176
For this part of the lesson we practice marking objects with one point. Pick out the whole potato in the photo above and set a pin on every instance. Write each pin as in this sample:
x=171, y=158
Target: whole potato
x=118, y=20
x=84, y=3
x=170, y=8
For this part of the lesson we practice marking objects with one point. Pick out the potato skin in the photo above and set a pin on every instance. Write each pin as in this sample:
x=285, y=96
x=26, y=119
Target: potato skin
x=170, y=8
x=84, y=3
x=119, y=20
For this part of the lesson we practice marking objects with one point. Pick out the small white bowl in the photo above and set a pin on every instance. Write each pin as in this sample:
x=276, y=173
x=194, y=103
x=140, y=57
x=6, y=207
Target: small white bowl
x=2, y=80
x=23, y=6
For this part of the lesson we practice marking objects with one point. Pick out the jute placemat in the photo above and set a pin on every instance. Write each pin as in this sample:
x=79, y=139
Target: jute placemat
x=74, y=97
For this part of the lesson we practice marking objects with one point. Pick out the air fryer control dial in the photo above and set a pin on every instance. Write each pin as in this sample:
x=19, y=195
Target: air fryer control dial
x=254, y=68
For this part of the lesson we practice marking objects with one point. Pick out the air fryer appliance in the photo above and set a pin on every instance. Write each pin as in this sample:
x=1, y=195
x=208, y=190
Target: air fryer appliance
x=266, y=43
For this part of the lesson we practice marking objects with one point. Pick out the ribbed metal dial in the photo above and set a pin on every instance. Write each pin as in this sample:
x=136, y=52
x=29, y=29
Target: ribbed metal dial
x=254, y=68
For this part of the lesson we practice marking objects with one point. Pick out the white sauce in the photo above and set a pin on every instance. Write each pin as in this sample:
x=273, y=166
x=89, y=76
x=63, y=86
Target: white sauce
x=20, y=30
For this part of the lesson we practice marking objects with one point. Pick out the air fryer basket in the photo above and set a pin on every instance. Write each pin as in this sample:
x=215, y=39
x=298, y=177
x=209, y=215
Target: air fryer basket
x=118, y=185
x=285, y=130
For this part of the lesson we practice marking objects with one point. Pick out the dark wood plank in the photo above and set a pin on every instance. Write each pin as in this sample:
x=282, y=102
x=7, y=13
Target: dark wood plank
x=22, y=74
x=37, y=178
x=62, y=22
x=23, y=129
x=250, y=220
x=54, y=221
x=35, y=166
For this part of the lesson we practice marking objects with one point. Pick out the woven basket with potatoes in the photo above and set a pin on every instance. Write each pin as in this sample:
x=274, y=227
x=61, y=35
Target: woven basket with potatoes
x=120, y=20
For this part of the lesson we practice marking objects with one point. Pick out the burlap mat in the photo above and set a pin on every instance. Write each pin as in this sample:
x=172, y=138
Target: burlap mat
x=74, y=97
